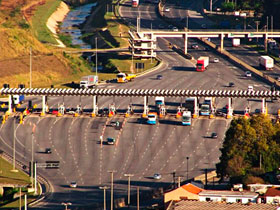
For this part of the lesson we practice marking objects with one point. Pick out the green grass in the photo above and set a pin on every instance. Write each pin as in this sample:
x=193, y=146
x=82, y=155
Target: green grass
x=40, y=19
x=6, y=176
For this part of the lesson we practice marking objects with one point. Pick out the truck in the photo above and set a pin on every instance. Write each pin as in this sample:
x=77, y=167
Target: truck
x=159, y=101
x=18, y=99
x=186, y=118
x=152, y=118
x=135, y=3
x=123, y=77
x=202, y=63
x=235, y=42
x=266, y=62
x=190, y=104
x=88, y=81
x=272, y=44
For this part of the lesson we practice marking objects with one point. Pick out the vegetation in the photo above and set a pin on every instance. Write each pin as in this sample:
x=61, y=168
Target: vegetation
x=40, y=19
x=250, y=149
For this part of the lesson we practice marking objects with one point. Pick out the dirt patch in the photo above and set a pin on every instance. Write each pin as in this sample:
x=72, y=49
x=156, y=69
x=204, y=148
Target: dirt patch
x=11, y=4
x=43, y=70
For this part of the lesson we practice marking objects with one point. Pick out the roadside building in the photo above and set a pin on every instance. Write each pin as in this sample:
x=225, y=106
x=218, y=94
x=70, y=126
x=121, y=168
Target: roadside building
x=272, y=195
x=185, y=192
x=228, y=196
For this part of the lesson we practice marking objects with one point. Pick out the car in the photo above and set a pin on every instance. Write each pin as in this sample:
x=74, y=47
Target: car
x=48, y=151
x=214, y=135
x=216, y=60
x=231, y=84
x=159, y=77
x=111, y=141
x=157, y=176
x=248, y=74
x=195, y=46
x=250, y=88
x=73, y=184
x=278, y=78
x=204, y=26
x=166, y=9
x=175, y=29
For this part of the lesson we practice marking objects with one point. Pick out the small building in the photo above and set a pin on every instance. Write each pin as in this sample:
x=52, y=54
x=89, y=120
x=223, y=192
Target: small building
x=272, y=195
x=228, y=196
x=185, y=192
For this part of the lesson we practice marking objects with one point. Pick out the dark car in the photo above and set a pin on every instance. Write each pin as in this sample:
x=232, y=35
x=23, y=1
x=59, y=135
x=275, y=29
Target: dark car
x=48, y=151
x=159, y=77
x=111, y=141
x=231, y=84
x=214, y=135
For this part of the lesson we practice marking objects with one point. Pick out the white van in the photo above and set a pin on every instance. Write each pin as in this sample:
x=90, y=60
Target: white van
x=250, y=88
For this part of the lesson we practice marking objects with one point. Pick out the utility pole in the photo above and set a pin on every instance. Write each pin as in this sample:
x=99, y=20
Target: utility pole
x=271, y=20
x=128, y=190
x=96, y=56
x=104, y=188
x=112, y=188
x=30, y=66
x=187, y=167
x=211, y=5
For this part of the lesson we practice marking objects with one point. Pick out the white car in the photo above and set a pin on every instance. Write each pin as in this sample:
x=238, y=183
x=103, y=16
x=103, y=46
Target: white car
x=216, y=60
x=157, y=176
x=248, y=74
x=73, y=184
x=175, y=29
x=166, y=9
x=250, y=88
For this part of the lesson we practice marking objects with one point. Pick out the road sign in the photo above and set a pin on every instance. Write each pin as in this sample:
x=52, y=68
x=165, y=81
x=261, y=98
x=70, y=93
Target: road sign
x=48, y=165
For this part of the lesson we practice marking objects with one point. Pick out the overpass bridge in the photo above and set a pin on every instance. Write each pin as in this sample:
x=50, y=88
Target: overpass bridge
x=143, y=40
x=94, y=93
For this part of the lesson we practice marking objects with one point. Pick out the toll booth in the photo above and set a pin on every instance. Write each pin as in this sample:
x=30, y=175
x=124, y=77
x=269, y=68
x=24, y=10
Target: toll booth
x=112, y=110
x=61, y=109
x=162, y=111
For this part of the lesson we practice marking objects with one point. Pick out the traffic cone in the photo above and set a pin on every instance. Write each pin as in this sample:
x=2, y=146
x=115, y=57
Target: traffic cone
x=93, y=114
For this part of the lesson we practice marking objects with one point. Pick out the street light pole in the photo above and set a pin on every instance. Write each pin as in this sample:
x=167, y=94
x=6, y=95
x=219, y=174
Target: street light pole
x=30, y=66
x=104, y=188
x=96, y=56
x=128, y=193
x=14, y=146
x=188, y=168
x=66, y=205
x=112, y=187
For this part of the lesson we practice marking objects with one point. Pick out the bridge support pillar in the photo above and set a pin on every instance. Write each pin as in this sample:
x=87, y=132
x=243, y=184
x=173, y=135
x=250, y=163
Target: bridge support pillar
x=265, y=42
x=186, y=43
x=146, y=108
x=94, y=107
x=196, y=109
x=222, y=41
x=264, y=107
x=230, y=109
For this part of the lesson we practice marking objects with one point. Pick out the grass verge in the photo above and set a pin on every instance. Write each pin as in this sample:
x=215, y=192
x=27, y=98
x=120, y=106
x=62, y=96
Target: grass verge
x=40, y=19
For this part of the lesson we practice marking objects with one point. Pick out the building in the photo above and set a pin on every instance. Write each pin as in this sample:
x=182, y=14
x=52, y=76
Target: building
x=185, y=192
x=142, y=45
x=272, y=195
x=228, y=196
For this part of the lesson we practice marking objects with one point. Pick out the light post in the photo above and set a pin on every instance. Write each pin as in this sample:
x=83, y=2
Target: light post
x=112, y=187
x=96, y=56
x=32, y=154
x=188, y=168
x=66, y=205
x=104, y=188
x=128, y=193
x=30, y=66
x=14, y=146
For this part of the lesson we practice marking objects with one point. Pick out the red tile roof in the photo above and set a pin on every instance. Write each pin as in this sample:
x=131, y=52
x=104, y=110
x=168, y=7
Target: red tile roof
x=192, y=188
x=272, y=192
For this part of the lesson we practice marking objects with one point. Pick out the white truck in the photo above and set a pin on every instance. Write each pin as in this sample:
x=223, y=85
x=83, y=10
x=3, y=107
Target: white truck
x=266, y=62
x=235, y=42
x=88, y=81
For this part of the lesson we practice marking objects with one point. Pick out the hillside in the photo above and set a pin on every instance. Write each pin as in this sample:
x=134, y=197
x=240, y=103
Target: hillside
x=49, y=65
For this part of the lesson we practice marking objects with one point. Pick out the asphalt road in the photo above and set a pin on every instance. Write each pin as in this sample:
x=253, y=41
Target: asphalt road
x=140, y=149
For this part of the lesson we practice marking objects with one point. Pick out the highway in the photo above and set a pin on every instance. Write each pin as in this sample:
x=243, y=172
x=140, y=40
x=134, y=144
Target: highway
x=140, y=149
